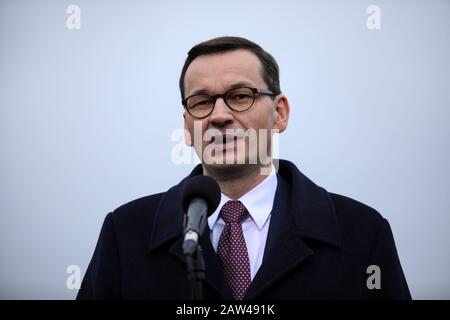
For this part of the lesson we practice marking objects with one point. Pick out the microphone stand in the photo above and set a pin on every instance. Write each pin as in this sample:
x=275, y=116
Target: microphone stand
x=196, y=272
x=195, y=263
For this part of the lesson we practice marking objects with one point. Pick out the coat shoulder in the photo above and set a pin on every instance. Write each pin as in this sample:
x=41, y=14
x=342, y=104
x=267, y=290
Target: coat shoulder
x=354, y=207
x=138, y=210
x=356, y=216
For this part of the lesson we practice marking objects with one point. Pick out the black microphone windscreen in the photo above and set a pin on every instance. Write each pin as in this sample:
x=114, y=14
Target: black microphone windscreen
x=201, y=187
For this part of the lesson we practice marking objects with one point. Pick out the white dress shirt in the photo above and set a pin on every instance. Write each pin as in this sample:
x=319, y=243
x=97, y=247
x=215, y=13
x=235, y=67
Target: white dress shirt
x=259, y=203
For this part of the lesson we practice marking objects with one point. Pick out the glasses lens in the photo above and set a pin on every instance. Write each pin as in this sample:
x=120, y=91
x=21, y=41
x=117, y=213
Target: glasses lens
x=200, y=106
x=240, y=99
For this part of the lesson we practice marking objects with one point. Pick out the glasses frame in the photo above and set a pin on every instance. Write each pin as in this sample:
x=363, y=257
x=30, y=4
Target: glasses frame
x=223, y=95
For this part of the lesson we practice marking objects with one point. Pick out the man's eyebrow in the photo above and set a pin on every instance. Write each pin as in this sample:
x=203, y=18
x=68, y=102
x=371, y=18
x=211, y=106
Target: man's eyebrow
x=233, y=86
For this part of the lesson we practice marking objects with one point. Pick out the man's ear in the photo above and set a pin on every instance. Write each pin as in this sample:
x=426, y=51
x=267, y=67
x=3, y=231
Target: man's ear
x=187, y=134
x=281, y=113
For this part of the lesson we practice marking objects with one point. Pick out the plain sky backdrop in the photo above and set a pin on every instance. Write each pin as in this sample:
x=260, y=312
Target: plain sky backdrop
x=86, y=118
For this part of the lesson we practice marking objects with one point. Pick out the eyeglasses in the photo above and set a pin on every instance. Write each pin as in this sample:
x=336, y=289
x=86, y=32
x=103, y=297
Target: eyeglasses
x=237, y=99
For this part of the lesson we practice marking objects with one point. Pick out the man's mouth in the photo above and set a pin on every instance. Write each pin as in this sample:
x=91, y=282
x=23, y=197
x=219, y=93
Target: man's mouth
x=223, y=139
x=224, y=142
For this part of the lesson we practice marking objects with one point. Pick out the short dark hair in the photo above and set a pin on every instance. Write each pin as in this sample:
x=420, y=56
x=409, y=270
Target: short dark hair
x=270, y=71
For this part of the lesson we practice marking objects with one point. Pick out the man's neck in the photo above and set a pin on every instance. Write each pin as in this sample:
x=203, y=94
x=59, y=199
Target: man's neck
x=235, y=182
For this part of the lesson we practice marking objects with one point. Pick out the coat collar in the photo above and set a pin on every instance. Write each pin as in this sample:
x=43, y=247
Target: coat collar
x=301, y=210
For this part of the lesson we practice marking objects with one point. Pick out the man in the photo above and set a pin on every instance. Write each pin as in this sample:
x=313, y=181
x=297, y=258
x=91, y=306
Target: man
x=275, y=234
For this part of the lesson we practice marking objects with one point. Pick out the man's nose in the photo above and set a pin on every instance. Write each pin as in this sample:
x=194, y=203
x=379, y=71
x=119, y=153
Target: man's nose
x=222, y=115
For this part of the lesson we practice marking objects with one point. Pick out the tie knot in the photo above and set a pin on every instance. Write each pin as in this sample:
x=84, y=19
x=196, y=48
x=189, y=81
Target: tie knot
x=233, y=211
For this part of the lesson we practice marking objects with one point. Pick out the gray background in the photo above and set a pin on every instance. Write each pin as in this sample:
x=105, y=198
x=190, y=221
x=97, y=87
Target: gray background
x=86, y=118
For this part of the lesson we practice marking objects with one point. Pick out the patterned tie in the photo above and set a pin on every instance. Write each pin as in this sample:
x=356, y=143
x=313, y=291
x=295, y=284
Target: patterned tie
x=233, y=250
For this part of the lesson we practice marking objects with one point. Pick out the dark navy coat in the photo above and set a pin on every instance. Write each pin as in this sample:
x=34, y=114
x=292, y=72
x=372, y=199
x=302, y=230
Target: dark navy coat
x=319, y=246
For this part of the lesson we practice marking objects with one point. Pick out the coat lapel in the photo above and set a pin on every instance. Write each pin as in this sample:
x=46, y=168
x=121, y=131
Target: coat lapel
x=301, y=210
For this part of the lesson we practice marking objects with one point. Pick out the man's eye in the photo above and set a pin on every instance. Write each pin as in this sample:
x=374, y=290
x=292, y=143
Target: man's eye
x=240, y=96
x=201, y=103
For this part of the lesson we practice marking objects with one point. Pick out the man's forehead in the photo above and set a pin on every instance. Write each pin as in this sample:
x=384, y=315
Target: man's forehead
x=223, y=70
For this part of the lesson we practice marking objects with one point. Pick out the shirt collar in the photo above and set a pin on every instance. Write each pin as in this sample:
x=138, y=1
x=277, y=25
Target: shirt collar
x=258, y=201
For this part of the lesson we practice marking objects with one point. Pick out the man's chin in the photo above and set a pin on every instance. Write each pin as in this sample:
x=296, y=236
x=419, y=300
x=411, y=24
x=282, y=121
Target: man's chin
x=229, y=169
x=226, y=160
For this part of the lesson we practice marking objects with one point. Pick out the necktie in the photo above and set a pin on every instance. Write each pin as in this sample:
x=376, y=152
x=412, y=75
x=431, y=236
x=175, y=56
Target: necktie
x=232, y=249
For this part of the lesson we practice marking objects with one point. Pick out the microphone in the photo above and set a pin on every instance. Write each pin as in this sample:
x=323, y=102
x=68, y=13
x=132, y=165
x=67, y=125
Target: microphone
x=200, y=198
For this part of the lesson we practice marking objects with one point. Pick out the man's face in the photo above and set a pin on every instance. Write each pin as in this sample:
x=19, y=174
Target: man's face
x=215, y=74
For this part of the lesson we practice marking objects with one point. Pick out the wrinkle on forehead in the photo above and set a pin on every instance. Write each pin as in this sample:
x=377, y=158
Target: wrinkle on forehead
x=216, y=72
